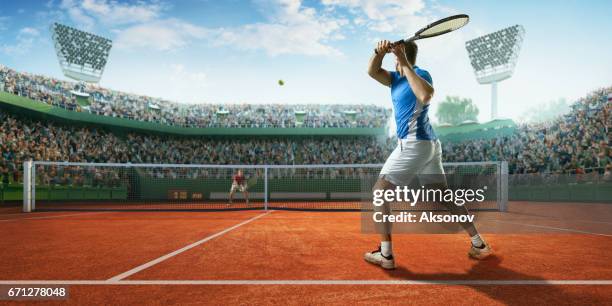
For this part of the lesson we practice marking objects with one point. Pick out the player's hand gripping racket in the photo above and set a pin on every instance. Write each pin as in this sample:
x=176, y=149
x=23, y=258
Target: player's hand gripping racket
x=437, y=28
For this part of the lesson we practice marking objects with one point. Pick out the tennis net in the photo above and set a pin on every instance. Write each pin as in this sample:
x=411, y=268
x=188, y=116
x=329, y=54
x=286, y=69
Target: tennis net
x=117, y=186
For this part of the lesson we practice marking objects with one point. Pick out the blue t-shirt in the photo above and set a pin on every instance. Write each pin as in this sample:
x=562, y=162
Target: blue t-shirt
x=410, y=115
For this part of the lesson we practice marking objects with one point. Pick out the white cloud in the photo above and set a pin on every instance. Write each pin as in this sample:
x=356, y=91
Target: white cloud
x=385, y=15
x=4, y=20
x=178, y=82
x=291, y=29
x=277, y=39
x=23, y=43
x=77, y=15
x=27, y=31
x=162, y=35
x=180, y=73
x=381, y=9
x=114, y=13
x=87, y=13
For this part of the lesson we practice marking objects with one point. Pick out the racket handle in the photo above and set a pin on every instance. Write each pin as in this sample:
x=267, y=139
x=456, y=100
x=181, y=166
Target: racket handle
x=393, y=44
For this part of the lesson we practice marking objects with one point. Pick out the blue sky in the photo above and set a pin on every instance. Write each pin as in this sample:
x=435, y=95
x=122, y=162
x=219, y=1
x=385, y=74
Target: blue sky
x=235, y=51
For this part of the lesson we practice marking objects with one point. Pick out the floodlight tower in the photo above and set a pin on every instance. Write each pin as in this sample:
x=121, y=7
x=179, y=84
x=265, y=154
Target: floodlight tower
x=81, y=55
x=494, y=56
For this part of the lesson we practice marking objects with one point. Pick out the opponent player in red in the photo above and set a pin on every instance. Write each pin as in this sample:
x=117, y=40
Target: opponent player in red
x=239, y=184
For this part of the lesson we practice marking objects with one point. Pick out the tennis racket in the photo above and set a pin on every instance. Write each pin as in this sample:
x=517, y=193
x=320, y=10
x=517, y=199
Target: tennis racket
x=252, y=181
x=437, y=28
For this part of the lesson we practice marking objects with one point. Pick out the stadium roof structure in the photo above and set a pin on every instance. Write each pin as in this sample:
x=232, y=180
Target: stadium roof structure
x=494, y=57
x=81, y=55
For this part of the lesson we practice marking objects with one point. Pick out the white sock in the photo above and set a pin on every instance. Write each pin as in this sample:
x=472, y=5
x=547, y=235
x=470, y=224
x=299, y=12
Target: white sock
x=386, y=248
x=476, y=240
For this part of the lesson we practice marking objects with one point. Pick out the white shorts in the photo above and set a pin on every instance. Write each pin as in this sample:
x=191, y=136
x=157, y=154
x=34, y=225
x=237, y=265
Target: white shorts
x=414, y=158
x=240, y=188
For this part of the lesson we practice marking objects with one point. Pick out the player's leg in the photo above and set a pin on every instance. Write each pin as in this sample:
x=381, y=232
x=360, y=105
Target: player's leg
x=383, y=255
x=231, y=194
x=246, y=194
x=433, y=177
x=400, y=169
x=468, y=226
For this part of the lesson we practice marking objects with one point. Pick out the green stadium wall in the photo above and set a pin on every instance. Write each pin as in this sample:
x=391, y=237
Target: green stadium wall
x=14, y=192
x=157, y=190
x=488, y=130
x=587, y=192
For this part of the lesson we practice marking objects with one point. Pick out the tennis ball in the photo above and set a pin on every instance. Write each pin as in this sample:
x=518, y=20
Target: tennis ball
x=281, y=82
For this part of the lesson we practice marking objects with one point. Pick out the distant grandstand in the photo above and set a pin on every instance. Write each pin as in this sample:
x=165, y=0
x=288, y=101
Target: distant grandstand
x=41, y=122
x=575, y=143
x=111, y=103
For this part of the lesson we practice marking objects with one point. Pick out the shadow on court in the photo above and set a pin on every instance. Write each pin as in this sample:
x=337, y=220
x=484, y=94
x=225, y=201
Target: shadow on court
x=509, y=294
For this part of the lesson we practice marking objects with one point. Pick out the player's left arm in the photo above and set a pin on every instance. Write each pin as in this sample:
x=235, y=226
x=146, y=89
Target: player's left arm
x=423, y=90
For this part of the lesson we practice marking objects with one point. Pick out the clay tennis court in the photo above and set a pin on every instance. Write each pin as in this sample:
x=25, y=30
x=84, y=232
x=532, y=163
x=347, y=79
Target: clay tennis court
x=259, y=257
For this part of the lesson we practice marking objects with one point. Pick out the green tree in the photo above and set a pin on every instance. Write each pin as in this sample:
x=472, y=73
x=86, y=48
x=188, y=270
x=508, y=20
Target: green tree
x=454, y=110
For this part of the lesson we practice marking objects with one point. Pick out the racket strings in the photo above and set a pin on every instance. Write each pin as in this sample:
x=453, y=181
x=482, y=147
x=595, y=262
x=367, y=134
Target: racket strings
x=444, y=27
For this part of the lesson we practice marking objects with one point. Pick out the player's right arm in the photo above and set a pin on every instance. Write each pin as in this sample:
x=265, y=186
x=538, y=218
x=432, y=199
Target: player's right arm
x=375, y=69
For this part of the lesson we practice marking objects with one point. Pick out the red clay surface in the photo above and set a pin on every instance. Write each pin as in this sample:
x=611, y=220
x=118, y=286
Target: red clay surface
x=100, y=245
x=300, y=246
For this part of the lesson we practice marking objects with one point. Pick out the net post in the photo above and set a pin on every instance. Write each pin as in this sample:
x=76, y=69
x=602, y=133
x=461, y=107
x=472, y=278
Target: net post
x=266, y=187
x=33, y=186
x=27, y=186
x=504, y=185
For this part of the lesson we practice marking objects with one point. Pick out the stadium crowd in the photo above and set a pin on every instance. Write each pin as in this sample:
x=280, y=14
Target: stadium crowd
x=575, y=143
x=23, y=139
x=113, y=103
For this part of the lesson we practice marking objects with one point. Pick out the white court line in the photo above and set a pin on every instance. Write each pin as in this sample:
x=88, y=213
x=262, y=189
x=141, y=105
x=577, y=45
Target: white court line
x=181, y=250
x=307, y=282
x=20, y=212
x=560, y=219
x=591, y=221
x=55, y=216
x=553, y=228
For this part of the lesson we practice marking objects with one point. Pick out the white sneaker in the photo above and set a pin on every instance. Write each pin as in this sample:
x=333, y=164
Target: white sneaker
x=480, y=253
x=376, y=257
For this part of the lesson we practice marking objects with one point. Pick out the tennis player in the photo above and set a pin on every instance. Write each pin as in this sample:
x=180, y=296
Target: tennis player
x=419, y=151
x=239, y=184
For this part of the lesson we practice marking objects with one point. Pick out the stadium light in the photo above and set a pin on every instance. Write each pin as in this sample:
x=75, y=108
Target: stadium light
x=81, y=55
x=494, y=56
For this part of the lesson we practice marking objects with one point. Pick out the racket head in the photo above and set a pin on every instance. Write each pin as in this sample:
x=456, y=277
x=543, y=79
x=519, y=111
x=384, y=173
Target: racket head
x=252, y=181
x=442, y=26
